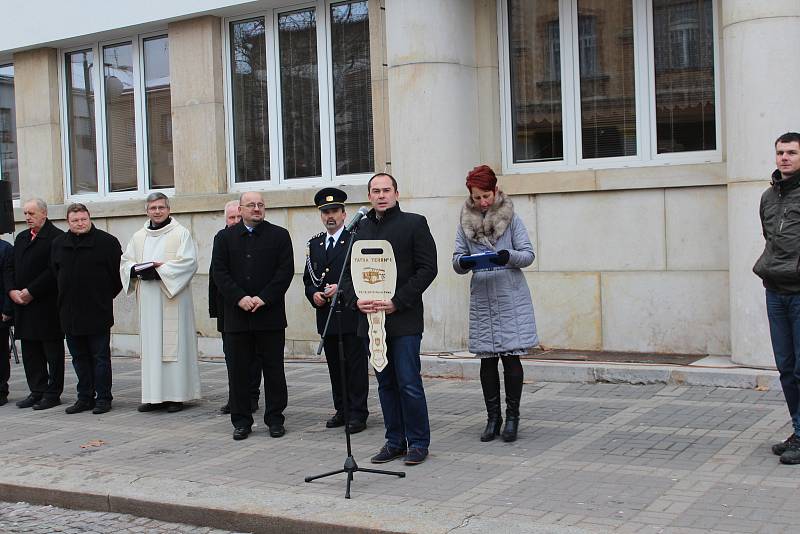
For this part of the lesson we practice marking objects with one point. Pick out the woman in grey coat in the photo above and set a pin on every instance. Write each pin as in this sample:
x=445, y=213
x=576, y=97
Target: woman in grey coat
x=501, y=321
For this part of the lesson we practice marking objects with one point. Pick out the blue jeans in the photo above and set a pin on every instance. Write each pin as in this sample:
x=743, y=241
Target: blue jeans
x=91, y=358
x=405, y=410
x=783, y=312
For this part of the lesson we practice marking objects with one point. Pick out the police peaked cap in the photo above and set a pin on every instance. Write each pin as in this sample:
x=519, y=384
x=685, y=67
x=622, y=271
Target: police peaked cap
x=330, y=197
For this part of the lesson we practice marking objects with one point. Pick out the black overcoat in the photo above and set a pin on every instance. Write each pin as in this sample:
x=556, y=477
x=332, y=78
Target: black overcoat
x=325, y=268
x=86, y=268
x=415, y=258
x=37, y=320
x=258, y=263
x=216, y=303
x=6, y=260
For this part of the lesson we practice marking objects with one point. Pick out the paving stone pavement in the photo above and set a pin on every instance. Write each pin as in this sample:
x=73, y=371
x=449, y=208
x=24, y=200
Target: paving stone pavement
x=594, y=457
x=26, y=518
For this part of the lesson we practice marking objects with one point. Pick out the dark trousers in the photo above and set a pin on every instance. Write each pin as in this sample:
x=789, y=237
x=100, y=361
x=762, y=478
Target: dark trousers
x=255, y=373
x=356, y=368
x=241, y=349
x=91, y=359
x=5, y=361
x=44, y=367
x=405, y=410
x=783, y=312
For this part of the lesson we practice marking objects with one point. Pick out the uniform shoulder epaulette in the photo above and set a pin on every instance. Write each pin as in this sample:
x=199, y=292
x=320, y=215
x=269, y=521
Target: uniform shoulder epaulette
x=313, y=237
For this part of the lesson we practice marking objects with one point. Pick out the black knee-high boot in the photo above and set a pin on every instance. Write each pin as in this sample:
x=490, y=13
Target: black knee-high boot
x=512, y=377
x=490, y=383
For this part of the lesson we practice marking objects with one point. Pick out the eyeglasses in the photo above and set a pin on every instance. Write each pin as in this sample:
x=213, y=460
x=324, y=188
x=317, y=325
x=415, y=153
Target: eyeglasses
x=157, y=208
x=253, y=205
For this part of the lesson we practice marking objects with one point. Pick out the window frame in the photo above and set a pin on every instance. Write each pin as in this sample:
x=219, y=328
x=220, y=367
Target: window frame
x=327, y=125
x=9, y=62
x=101, y=145
x=644, y=93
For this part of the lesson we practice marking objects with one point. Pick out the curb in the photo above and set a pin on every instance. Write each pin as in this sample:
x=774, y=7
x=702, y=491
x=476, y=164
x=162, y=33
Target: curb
x=612, y=373
x=238, y=508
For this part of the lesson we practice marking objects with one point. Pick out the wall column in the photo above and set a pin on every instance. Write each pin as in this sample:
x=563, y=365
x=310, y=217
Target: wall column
x=198, y=115
x=38, y=125
x=758, y=109
x=433, y=96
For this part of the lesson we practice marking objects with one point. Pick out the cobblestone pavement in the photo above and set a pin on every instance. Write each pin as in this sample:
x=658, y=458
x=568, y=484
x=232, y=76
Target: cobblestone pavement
x=31, y=519
x=600, y=457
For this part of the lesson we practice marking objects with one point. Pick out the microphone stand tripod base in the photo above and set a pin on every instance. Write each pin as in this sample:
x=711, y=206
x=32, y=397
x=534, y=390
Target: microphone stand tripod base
x=351, y=467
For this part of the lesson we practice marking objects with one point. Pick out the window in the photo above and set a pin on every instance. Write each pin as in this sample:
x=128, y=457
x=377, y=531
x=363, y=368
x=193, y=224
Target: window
x=117, y=117
x=592, y=83
x=300, y=95
x=8, y=130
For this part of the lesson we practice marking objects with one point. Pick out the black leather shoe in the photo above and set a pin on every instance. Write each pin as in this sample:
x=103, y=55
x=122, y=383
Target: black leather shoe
x=416, y=456
x=28, y=401
x=336, y=421
x=225, y=409
x=387, y=454
x=149, y=407
x=46, y=403
x=173, y=407
x=241, y=433
x=3, y=400
x=354, y=427
x=779, y=448
x=276, y=431
x=102, y=407
x=79, y=406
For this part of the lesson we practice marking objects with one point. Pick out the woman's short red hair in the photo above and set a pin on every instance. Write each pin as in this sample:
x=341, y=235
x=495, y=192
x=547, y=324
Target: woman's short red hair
x=482, y=177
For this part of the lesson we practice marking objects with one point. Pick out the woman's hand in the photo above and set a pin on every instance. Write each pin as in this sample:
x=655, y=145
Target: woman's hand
x=466, y=264
x=502, y=257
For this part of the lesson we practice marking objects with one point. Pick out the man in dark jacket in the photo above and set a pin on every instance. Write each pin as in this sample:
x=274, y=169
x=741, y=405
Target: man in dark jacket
x=85, y=262
x=252, y=265
x=778, y=268
x=7, y=307
x=32, y=287
x=216, y=304
x=405, y=410
x=325, y=253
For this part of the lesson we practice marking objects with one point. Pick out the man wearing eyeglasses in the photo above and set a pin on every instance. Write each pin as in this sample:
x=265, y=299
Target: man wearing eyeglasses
x=252, y=265
x=216, y=311
x=158, y=265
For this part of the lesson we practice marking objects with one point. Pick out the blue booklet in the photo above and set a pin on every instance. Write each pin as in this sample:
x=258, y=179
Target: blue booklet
x=481, y=260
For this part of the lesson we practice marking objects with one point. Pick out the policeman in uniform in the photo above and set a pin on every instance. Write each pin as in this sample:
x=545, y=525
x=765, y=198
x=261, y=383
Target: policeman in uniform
x=325, y=254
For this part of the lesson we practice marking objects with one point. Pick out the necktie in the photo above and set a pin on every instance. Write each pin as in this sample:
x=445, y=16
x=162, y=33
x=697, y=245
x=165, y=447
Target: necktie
x=329, y=248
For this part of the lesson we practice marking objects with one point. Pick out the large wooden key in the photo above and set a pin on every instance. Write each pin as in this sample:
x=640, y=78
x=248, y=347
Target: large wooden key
x=374, y=274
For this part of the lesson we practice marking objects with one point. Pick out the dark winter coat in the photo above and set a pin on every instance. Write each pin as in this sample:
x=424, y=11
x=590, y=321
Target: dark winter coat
x=415, y=258
x=86, y=268
x=37, y=320
x=6, y=261
x=779, y=264
x=325, y=268
x=253, y=264
x=216, y=303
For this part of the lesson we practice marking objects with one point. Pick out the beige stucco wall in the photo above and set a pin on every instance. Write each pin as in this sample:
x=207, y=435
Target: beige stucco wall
x=627, y=259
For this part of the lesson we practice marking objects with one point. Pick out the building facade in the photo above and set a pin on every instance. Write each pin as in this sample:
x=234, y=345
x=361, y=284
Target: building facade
x=634, y=136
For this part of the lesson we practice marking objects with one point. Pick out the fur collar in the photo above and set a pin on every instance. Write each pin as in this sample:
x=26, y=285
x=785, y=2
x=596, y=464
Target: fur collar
x=487, y=228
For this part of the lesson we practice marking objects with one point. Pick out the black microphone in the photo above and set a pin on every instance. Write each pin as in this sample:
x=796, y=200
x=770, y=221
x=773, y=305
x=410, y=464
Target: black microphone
x=362, y=211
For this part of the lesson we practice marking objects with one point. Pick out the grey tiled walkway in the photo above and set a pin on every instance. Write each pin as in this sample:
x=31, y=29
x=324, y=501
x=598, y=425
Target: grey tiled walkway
x=599, y=457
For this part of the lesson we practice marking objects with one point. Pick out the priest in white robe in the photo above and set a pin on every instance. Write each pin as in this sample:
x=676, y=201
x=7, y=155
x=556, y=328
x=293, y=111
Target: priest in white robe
x=158, y=265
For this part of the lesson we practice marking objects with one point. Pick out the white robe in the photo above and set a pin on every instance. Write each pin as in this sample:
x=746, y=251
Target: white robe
x=166, y=312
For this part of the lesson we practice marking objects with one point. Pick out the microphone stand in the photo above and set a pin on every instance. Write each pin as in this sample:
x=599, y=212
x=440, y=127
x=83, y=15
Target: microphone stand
x=350, y=465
